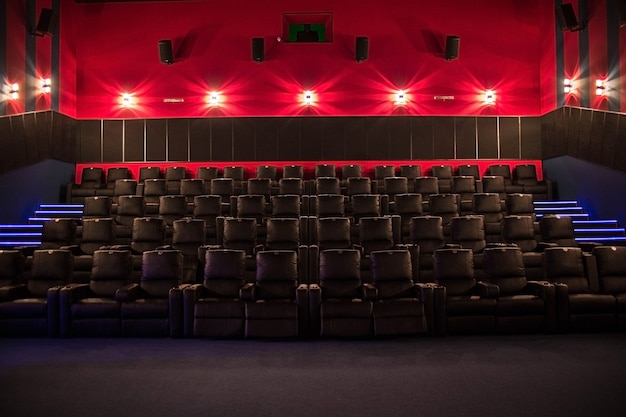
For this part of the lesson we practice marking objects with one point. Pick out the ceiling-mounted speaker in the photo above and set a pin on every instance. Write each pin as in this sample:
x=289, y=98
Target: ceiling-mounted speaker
x=166, y=54
x=258, y=49
x=453, y=43
x=567, y=18
x=361, y=49
x=621, y=12
x=46, y=23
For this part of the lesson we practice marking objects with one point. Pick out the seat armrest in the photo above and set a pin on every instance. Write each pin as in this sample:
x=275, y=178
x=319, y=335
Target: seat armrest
x=588, y=246
x=74, y=249
x=191, y=294
x=547, y=292
x=175, y=298
x=315, y=300
x=487, y=289
x=248, y=292
x=426, y=293
x=541, y=289
x=302, y=294
x=128, y=292
x=542, y=246
x=74, y=292
x=13, y=292
x=370, y=292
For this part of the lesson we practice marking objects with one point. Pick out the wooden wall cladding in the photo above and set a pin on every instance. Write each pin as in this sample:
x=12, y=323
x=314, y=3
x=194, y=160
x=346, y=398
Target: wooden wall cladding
x=309, y=138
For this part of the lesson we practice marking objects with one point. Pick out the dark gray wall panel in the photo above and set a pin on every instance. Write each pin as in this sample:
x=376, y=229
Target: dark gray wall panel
x=229, y=140
x=584, y=140
x=200, y=139
x=609, y=139
x=377, y=137
x=333, y=137
x=30, y=139
x=509, y=137
x=356, y=138
x=90, y=141
x=620, y=148
x=288, y=139
x=443, y=134
x=266, y=144
x=465, y=137
x=178, y=140
x=43, y=121
x=399, y=138
x=156, y=142
x=422, y=138
x=5, y=129
x=530, y=138
x=112, y=140
x=134, y=139
x=596, y=137
x=311, y=138
x=572, y=130
x=487, y=128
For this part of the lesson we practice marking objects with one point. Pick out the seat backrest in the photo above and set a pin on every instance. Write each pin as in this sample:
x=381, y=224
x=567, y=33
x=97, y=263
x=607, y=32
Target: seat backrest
x=111, y=269
x=267, y=171
x=340, y=274
x=191, y=187
x=252, y=206
x=97, y=206
x=427, y=232
x=291, y=186
x=333, y=233
x=172, y=207
x=125, y=186
x=12, y=264
x=504, y=266
x=501, y=170
x=148, y=234
x=519, y=230
x=237, y=173
x=293, y=171
x=330, y=205
x=392, y=273
x=260, y=186
x=327, y=185
x=286, y=205
x=487, y=203
x=50, y=268
x=282, y=233
x=558, y=230
x=325, y=170
x=566, y=265
x=351, y=170
x=469, y=170
x=97, y=233
x=175, y=173
x=522, y=204
x=408, y=203
x=224, y=187
x=224, y=272
x=129, y=207
x=526, y=173
x=207, y=206
x=240, y=233
x=161, y=270
x=395, y=185
x=493, y=184
x=276, y=274
x=427, y=185
x=117, y=173
x=383, y=171
x=92, y=177
x=469, y=232
x=375, y=233
x=58, y=232
x=146, y=173
x=611, y=268
x=366, y=205
x=443, y=172
x=410, y=171
x=207, y=173
x=463, y=184
x=188, y=231
x=454, y=269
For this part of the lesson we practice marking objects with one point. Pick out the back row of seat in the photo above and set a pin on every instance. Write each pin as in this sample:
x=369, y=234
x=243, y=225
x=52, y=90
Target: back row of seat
x=326, y=297
x=384, y=180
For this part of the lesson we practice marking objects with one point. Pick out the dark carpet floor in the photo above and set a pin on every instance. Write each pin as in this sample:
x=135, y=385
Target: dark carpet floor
x=503, y=376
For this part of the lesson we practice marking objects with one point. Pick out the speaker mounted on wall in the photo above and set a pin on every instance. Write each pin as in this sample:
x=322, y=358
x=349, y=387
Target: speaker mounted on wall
x=453, y=43
x=621, y=12
x=361, y=49
x=258, y=49
x=566, y=17
x=46, y=23
x=166, y=53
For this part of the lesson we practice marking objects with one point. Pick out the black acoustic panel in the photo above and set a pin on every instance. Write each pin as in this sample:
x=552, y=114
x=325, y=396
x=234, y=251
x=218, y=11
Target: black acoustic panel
x=134, y=140
x=200, y=140
x=571, y=128
x=266, y=139
x=288, y=138
x=311, y=138
x=561, y=125
x=487, y=128
x=178, y=140
x=258, y=49
x=361, y=48
x=333, y=138
x=422, y=138
x=465, y=137
x=597, y=137
x=452, y=47
x=510, y=146
x=59, y=138
x=620, y=148
x=378, y=137
x=609, y=139
x=400, y=138
x=166, y=53
x=443, y=137
x=15, y=145
x=584, y=135
x=229, y=143
x=156, y=142
x=5, y=157
x=531, y=138
x=112, y=140
x=30, y=139
x=90, y=132
x=68, y=135
x=43, y=122
x=356, y=139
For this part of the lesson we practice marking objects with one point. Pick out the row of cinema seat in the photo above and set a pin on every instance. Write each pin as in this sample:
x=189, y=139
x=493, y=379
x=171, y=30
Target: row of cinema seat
x=324, y=297
x=385, y=179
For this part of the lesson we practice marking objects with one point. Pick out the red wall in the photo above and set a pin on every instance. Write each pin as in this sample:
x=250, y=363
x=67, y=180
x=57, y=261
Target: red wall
x=116, y=50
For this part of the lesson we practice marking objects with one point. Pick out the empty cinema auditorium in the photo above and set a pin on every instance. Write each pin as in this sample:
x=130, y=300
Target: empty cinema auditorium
x=313, y=208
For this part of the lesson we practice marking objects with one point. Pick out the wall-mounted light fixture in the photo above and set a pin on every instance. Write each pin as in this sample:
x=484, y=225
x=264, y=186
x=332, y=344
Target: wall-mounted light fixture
x=400, y=98
x=489, y=97
x=127, y=100
x=600, y=87
x=568, y=86
x=14, y=91
x=46, y=85
x=213, y=98
x=308, y=97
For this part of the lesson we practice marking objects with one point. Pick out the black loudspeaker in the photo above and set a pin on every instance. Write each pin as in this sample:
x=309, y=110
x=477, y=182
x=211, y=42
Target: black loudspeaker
x=166, y=55
x=46, y=22
x=258, y=49
x=361, y=48
x=566, y=17
x=452, y=47
x=621, y=12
